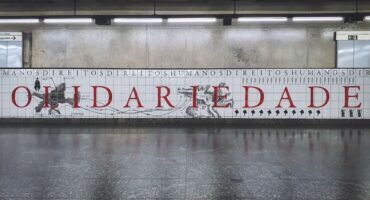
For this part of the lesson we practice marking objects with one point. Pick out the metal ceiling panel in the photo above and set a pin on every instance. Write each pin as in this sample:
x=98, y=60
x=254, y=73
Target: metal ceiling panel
x=195, y=7
x=115, y=7
x=146, y=7
x=35, y=7
x=364, y=6
x=295, y=6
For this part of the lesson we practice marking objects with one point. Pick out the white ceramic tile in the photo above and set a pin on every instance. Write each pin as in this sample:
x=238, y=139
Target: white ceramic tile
x=121, y=82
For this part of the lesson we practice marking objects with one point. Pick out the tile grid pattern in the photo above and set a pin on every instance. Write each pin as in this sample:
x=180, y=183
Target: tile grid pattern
x=122, y=81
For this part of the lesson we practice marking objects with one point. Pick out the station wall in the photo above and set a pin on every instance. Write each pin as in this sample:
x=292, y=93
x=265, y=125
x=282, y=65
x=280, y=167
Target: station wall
x=288, y=45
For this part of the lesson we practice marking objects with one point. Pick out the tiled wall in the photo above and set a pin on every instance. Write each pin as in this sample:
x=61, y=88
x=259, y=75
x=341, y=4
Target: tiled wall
x=62, y=99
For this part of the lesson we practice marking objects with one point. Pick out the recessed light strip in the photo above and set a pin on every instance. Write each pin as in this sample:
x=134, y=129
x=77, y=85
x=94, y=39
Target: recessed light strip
x=262, y=19
x=68, y=20
x=19, y=21
x=171, y=20
x=137, y=20
x=191, y=20
x=317, y=19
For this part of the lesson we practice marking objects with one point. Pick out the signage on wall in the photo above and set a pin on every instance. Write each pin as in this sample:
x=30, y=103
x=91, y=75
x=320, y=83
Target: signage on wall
x=10, y=36
x=182, y=93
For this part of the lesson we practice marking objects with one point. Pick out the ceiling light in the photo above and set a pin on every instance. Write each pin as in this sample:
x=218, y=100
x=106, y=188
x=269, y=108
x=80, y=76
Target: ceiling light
x=68, y=20
x=19, y=21
x=137, y=20
x=191, y=20
x=317, y=19
x=262, y=19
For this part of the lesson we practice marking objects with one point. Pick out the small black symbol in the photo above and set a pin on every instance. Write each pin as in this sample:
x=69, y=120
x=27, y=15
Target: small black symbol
x=294, y=112
x=302, y=112
x=277, y=112
x=318, y=112
x=261, y=112
x=359, y=113
x=244, y=112
x=253, y=112
x=269, y=112
x=310, y=112
x=343, y=113
x=236, y=112
x=285, y=112
x=351, y=113
x=37, y=85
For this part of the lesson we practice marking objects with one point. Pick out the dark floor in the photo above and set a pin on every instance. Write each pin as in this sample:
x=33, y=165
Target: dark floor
x=184, y=163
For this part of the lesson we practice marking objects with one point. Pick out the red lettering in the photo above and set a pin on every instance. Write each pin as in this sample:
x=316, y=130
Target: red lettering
x=262, y=96
x=216, y=97
x=312, y=98
x=76, y=97
x=46, y=97
x=95, y=102
x=288, y=97
x=195, y=88
x=165, y=97
x=347, y=96
x=14, y=97
x=136, y=97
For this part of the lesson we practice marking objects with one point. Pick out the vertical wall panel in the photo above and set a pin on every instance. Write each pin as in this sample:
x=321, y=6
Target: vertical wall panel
x=3, y=54
x=14, y=54
x=345, y=57
x=362, y=54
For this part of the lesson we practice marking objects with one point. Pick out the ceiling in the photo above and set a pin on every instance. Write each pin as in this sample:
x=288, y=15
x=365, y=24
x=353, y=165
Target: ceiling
x=180, y=7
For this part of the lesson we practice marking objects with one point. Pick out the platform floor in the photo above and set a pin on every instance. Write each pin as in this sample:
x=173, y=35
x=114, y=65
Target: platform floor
x=184, y=163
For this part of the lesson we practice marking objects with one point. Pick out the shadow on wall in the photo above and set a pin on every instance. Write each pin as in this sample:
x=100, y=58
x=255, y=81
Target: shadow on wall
x=248, y=57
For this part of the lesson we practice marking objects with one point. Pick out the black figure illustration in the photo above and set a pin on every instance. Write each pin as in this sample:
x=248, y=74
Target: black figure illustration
x=205, y=100
x=55, y=97
x=37, y=85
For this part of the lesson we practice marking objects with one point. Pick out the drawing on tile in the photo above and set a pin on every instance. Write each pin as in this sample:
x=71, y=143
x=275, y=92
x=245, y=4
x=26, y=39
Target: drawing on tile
x=185, y=93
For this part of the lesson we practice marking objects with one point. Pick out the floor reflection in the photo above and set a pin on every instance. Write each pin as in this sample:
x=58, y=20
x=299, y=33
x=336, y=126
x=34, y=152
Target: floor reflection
x=184, y=163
